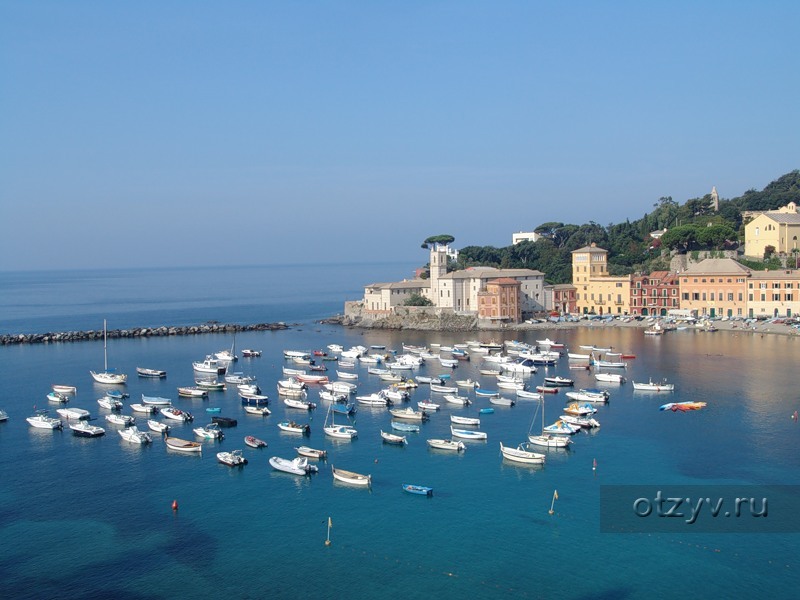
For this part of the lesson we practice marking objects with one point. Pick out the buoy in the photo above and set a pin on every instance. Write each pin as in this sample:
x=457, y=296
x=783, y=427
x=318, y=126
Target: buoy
x=594, y=464
x=174, y=505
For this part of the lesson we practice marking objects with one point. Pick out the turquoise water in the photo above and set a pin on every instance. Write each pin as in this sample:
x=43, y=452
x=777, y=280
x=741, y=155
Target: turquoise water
x=92, y=518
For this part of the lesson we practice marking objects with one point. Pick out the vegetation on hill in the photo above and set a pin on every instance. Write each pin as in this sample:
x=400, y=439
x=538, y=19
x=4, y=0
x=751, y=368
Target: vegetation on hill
x=692, y=226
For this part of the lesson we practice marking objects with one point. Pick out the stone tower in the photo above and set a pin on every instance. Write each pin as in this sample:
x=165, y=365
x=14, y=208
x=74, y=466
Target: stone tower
x=714, y=199
x=438, y=267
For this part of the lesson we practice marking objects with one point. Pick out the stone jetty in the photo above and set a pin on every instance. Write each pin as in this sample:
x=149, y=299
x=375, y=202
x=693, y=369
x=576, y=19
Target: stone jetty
x=139, y=332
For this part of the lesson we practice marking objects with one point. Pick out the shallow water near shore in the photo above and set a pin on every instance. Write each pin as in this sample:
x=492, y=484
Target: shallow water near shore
x=92, y=518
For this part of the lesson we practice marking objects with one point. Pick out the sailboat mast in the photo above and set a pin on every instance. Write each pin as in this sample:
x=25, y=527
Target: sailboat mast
x=105, y=351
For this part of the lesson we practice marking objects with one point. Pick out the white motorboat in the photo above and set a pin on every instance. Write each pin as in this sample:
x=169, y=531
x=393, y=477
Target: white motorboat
x=176, y=414
x=41, y=421
x=157, y=426
x=239, y=378
x=211, y=431
x=57, y=398
x=440, y=444
x=374, y=399
x=234, y=458
x=609, y=377
x=527, y=395
x=427, y=405
x=550, y=441
x=150, y=373
x=85, y=429
x=210, y=366
x=192, y=392
x=458, y=400
x=391, y=438
x=110, y=403
x=124, y=420
x=589, y=395
x=73, y=413
x=295, y=466
x=654, y=386
x=65, y=389
x=465, y=420
x=257, y=410
x=144, y=408
x=468, y=434
x=557, y=380
x=292, y=427
x=522, y=454
x=156, y=400
x=409, y=413
x=587, y=422
x=301, y=404
x=132, y=434
x=502, y=401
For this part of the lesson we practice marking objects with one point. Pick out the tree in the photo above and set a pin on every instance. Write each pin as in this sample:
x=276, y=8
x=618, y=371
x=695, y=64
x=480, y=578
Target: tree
x=438, y=239
x=416, y=299
x=715, y=236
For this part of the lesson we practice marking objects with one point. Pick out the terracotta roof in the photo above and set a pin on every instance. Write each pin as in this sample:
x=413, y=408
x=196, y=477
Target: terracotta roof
x=717, y=266
x=505, y=281
x=485, y=272
x=591, y=249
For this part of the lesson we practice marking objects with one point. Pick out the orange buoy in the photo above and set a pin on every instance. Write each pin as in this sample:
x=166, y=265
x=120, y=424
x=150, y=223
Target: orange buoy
x=174, y=505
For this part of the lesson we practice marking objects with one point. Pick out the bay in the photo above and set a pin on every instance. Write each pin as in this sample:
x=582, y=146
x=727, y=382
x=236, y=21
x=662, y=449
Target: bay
x=93, y=518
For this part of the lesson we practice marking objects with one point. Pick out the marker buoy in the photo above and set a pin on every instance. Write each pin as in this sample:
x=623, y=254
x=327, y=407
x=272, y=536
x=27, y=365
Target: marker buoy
x=174, y=505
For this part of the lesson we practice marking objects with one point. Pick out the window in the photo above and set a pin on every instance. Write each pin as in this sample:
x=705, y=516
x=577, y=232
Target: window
x=776, y=297
x=695, y=296
x=704, y=296
x=750, y=297
x=763, y=297
x=740, y=296
x=789, y=298
x=685, y=296
x=730, y=297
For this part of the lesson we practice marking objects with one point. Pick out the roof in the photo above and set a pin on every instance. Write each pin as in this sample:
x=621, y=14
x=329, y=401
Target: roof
x=505, y=281
x=776, y=274
x=591, y=249
x=409, y=284
x=486, y=272
x=716, y=266
x=788, y=218
x=563, y=286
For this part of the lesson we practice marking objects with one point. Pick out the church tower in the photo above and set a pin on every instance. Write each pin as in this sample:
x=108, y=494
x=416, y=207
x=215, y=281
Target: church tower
x=714, y=198
x=438, y=268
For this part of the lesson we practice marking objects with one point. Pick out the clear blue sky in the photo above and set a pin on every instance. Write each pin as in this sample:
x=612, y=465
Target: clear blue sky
x=214, y=133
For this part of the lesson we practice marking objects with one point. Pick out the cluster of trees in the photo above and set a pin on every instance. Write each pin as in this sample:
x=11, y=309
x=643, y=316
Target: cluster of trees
x=692, y=226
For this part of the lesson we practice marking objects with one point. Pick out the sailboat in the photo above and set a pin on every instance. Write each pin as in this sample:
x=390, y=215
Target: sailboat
x=546, y=440
x=106, y=376
x=333, y=430
x=227, y=356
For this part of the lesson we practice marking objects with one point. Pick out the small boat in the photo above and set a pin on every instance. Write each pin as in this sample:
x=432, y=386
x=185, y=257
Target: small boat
x=627, y=356
x=420, y=490
x=210, y=384
x=132, y=434
x=654, y=387
x=578, y=357
x=490, y=372
x=346, y=375
x=427, y=405
x=586, y=422
x=306, y=378
x=439, y=444
x=157, y=426
x=150, y=373
x=254, y=442
x=429, y=380
x=486, y=411
x=529, y=395
x=374, y=399
x=465, y=420
x=459, y=400
x=224, y=421
x=391, y=438
x=558, y=381
x=350, y=477
x=550, y=441
x=409, y=413
x=183, y=445
x=560, y=428
x=124, y=420
x=84, y=429
x=250, y=353
x=443, y=389
x=580, y=410
x=295, y=466
x=589, y=395
x=407, y=427
x=41, y=421
x=117, y=394
x=547, y=389
x=486, y=393
x=609, y=377
x=467, y=383
x=335, y=348
x=549, y=343
x=344, y=409
x=256, y=400
x=301, y=404
x=210, y=365
x=209, y=432
x=502, y=401
x=239, y=378
x=73, y=413
x=144, y=408
x=234, y=458
x=156, y=400
x=257, y=410
x=65, y=389
x=192, y=392
x=522, y=454
x=176, y=414
x=468, y=434
x=682, y=406
x=292, y=427
x=3, y=416
x=312, y=452
x=57, y=397
x=214, y=409
x=510, y=385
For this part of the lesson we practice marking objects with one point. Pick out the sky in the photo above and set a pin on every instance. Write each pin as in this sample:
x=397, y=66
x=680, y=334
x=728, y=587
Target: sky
x=206, y=133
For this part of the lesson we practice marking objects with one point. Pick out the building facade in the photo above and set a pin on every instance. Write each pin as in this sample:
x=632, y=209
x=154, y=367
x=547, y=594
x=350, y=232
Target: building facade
x=524, y=236
x=777, y=228
x=654, y=294
x=595, y=291
x=773, y=294
x=499, y=301
x=715, y=287
x=563, y=300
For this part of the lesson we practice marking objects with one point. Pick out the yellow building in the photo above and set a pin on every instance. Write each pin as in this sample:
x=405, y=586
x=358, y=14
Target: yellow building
x=596, y=291
x=777, y=228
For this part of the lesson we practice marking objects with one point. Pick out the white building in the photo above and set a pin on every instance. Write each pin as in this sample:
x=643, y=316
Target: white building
x=524, y=236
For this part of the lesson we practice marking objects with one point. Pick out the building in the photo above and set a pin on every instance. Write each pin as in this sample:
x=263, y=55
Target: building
x=499, y=301
x=654, y=294
x=563, y=299
x=773, y=293
x=595, y=290
x=777, y=228
x=715, y=287
x=382, y=297
x=524, y=236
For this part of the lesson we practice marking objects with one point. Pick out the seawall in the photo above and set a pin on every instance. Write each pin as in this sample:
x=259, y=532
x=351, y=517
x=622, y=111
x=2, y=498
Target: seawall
x=83, y=336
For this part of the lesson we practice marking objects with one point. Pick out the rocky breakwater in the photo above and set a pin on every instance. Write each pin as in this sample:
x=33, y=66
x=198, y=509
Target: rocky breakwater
x=82, y=336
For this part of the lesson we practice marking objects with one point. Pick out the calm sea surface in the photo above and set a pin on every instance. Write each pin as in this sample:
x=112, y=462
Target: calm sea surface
x=92, y=518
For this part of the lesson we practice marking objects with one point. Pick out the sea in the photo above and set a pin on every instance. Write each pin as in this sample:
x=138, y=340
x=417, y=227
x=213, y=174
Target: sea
x=104, y=518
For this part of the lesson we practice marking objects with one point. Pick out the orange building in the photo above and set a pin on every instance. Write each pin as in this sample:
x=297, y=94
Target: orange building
x=500, y=300
x=715, y=287
x=565, y=299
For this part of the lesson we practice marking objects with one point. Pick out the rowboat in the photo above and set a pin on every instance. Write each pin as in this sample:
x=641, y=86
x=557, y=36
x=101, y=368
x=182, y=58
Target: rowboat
x=391, y=438
x=192, y=392
x=427, y=405
x=522, y=454
x=257, y=410
x=65, y=389
x=529, y=395
x=502, y=401
x=150, y=373
x=465, y=420
x=546, y=389
x=209, y=384
x=254, y=442
x=418, y=489
x=468, y=434
x=350, y=477
x=443, y=389
x=486, y=393
x=407, y=427
x=183, y=445
x=312, y=452
x=439, y=444
x=460, y=400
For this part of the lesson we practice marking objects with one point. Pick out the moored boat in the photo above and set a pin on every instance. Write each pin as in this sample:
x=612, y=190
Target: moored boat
x=522, y=454
x=234, y=458
x=440, y=444
x=150, y=373
x=420, y=490
x=651, y=386
x=254, y=442
x=183, y=445
x=73, y=413
x=41, y=421
x=84, y=429
x=391, y=438
x=132, y=434
x=468, y=434
x=292, y=427
x=295, y=466
x=157, y=426
x=312, y=452
x=351, y=477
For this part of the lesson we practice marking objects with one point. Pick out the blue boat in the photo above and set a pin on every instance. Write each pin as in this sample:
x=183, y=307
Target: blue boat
x=418, y=489
x=488, y=393
x=344, y=409
x=408, y=427
x=486, y=411
x=116, y=394
x=213, y=409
